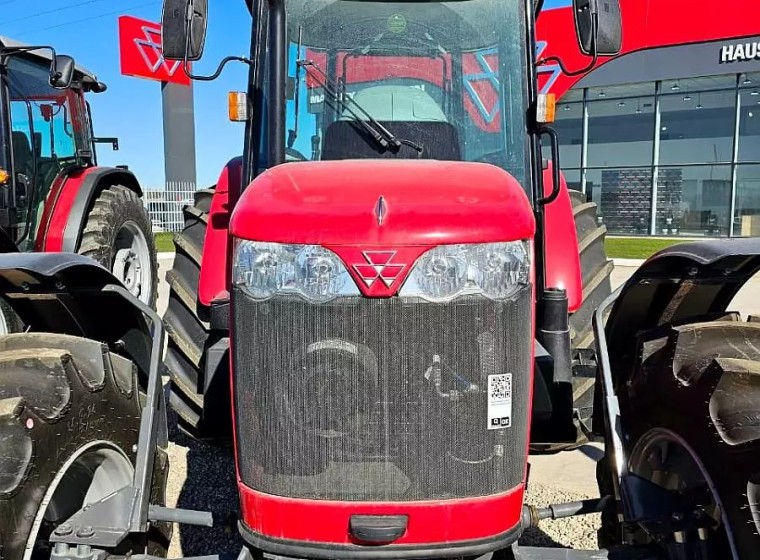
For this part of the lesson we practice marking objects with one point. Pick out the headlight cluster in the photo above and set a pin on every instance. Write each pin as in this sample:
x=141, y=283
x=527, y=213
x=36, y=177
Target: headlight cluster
x=494, y=270
x=310, y=271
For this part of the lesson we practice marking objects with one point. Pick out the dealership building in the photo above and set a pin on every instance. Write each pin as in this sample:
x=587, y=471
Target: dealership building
x=666, y=137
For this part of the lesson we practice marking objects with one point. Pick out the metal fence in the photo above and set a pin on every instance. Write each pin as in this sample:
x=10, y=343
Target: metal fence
x=165, y=205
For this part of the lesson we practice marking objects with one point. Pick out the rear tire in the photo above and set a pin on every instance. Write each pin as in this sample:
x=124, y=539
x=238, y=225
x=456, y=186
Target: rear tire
x=69, y=418
x=118, y=234
x=202, y=415
x=596, y=270
x=691, y=419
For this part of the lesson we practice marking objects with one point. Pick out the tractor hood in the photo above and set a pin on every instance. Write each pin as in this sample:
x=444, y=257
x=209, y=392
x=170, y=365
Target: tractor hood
x=383, y=202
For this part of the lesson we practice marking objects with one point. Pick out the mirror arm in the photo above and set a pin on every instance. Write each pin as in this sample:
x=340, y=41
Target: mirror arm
x=594, y=59
x=219, y=69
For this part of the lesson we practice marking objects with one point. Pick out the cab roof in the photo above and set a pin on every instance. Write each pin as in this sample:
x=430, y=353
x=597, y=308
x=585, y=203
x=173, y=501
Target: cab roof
x=46, y=55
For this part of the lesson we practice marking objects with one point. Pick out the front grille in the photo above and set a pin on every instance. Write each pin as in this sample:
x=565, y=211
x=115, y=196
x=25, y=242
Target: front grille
x=339, y=401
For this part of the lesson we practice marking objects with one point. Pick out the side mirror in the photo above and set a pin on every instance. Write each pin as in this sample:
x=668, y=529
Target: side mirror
x=609, y=26
x=183, y=28
x=61, y=71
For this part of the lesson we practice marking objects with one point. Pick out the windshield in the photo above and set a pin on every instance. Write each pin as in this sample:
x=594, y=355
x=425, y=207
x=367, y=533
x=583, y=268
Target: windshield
x=446, y=79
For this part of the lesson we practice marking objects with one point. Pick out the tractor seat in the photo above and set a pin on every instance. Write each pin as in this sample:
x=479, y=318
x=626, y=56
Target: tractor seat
x=23, y=157
x=348, y=140
x=408, y=112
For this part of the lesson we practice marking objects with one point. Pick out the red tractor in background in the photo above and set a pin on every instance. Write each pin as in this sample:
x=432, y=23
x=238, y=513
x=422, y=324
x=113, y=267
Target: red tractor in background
x=55, y=197
x=380, y=307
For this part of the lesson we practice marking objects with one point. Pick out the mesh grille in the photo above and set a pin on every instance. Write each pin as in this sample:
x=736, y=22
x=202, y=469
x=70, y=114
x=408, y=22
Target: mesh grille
x=338, y=401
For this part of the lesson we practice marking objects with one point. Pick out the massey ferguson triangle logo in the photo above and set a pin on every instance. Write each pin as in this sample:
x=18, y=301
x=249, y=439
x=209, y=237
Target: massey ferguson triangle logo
x=379, y=265
x=151, y=50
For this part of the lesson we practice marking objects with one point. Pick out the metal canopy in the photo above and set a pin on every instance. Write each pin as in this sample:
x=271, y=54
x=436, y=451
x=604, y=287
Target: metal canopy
x=45, y=55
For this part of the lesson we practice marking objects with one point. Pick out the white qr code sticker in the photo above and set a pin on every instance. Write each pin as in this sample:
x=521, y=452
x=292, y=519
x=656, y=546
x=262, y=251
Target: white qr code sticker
x=499, y=401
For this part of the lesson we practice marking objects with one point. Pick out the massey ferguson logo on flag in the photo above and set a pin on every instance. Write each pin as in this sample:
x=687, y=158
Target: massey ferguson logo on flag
x=141, y=55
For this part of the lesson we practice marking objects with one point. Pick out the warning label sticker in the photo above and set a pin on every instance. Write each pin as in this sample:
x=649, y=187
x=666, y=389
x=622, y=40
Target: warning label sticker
x=499, y=401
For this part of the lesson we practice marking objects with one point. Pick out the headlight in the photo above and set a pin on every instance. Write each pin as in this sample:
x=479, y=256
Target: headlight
x=310, y=271
x=495, y=270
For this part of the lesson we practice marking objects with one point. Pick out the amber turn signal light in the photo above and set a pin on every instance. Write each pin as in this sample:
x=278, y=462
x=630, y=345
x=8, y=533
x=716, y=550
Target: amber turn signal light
x=546, y=108
x=237, y=105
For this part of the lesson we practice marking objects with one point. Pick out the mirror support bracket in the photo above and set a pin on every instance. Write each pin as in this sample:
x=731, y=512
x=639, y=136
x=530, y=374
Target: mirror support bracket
x=219, y=68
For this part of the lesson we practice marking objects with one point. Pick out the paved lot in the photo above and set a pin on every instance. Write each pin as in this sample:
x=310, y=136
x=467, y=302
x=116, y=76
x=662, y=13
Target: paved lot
x=203, y=477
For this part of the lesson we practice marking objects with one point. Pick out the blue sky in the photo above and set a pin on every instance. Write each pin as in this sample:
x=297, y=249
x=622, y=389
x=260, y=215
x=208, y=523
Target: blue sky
x=131, y=107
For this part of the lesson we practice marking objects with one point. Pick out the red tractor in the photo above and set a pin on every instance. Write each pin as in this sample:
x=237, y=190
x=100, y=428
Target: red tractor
x=55, y=197
x=376, y=300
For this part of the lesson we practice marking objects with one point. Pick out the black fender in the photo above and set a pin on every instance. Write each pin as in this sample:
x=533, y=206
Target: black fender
x=72, y=294
x=682, y=284
x=67, y=293
x=92, y=184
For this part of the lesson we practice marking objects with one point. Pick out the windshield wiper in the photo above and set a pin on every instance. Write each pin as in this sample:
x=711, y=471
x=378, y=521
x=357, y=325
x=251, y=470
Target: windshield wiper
x=384, y=137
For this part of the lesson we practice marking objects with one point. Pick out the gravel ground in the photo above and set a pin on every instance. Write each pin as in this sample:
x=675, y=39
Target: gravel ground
x=202, y=477
x=573, y=532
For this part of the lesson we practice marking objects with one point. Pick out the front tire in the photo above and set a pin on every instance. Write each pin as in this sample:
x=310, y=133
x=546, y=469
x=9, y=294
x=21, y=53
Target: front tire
x=118, y=234
x=691, y=417
x=202, y=414
x=69, y=421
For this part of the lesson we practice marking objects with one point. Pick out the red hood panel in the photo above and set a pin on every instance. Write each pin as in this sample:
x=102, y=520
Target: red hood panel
x=425, y=203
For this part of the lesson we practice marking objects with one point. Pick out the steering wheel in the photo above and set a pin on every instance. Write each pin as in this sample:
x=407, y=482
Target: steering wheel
x=295, y=154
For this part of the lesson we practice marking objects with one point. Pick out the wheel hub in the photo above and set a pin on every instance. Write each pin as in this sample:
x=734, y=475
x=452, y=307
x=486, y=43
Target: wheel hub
x=131, y=262
x=665, y=459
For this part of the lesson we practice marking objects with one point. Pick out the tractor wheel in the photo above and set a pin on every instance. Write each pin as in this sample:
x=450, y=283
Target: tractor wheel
x=118, y=234
x=202, y=415
x=692, y=426
x=69, y=423
x=596, y=269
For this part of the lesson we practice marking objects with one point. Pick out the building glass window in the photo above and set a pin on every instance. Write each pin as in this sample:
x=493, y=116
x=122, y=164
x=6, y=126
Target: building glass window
x=749, y=125
x=747, y=216
x=693, y=200
x=624, y=197
x=569, y=127
x=692, y=85
x=748, y=81
x=620, y=132
x=572, y=178
x=627, y=90
x=697, y=127
x=695, y=164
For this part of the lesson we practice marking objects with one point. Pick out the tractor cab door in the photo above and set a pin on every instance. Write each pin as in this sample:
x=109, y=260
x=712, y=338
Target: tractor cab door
x=47, y=126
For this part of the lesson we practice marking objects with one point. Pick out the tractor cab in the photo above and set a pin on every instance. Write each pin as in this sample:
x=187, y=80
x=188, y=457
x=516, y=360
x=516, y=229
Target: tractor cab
x=429, y=78
x=46, y=124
